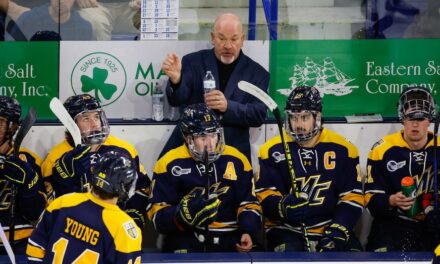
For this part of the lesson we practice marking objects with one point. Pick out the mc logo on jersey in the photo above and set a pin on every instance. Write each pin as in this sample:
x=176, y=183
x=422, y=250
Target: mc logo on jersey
x=101, y=75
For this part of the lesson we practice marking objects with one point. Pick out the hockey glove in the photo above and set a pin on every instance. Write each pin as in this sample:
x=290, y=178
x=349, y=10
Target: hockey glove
x=21, y=174
x=137, y=216
x=193, y=210
x=73, y=163
x=293, y=210
x=335, y=238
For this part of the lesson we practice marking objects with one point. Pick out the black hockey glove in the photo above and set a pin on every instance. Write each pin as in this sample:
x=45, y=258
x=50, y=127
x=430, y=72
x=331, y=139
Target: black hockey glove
x=193, y=210
x=137, y=216
x=21, y=174
x=293, y=210
x=74, y=163
x=335, y=238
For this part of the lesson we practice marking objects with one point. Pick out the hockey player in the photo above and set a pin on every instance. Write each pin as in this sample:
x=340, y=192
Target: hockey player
x=67, y=167
x=408, y=152
x=203, y=192
x=90, y=227
x=23, y=172
x=327, y=174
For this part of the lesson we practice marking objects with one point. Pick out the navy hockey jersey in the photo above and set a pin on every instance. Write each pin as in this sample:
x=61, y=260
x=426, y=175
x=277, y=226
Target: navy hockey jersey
x=389, y=161
x=138, y=201
x=328, y=172
x=79, y=228
x=177, y=173
x=27, y=209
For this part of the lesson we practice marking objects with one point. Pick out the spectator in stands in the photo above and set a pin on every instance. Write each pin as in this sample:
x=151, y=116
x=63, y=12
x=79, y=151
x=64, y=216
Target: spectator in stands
x=21, y=171
x=203, y=196
x=427, y=23
x=109, y=16
x=409, y=152
x=9, y=12
x=236, y=110
x=322, y=193
x=4, y=6
x=137, y=23
x=66, y=168
x=58, y=16
x=89, y=227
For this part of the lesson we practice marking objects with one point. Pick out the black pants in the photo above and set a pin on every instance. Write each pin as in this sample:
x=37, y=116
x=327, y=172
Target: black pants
x=281, y=240
x=395, y=234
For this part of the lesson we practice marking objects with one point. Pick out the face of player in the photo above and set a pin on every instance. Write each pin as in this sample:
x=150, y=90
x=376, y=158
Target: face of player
x=227, y=39
x=89, y=122
x=416, y=131
x=209, y=140
x=3, y=129
x=302, y=123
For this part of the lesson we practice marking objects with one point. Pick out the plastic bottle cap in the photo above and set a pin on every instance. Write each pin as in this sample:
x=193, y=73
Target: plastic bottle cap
x=407, y=181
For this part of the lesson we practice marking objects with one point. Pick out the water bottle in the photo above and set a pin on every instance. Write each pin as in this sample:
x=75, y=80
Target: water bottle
x=409, y=190
x=208, y=82
x=158, y=103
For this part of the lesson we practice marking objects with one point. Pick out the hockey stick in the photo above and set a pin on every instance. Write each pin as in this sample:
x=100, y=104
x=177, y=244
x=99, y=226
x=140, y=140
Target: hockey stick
x=208, y=185
x=25, y=126
x=61, y=113
x=24, y=129
x=435, y=165
x=7, y=246
x=273, y=107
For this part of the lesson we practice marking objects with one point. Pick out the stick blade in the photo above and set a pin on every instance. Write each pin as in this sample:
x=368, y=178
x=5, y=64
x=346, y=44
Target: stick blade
x=257, y=92
x=25, y=126
x=61, y=113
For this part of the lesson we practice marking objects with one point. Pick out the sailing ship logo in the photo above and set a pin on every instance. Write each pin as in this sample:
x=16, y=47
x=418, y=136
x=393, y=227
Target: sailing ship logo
x=326, y=78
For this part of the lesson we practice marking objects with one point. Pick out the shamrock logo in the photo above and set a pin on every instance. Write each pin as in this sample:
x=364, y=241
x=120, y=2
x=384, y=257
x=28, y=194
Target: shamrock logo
x=98, y=85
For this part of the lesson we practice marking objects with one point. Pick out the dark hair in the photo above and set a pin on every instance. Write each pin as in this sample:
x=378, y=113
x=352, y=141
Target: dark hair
x=103, y=195
x=46, y=35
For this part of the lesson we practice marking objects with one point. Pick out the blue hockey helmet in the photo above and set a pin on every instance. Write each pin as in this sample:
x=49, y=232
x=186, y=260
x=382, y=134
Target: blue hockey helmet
x=78, y=105
x=199, y=120
x=303, y=99
x=10, y=109
x=114, y=174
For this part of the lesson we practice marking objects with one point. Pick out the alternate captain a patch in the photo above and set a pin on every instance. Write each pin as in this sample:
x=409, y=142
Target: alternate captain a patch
x=130, y=229
x=230, y=173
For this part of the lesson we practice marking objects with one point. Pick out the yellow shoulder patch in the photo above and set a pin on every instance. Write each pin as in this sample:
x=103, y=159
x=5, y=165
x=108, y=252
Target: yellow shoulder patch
x=37, y=158
x=231, y=151
x=331, y=136
x=382, y=146
x=126, y=235
x=114, y=141
x=67, y=200
x=263, y=152
x=181, y=152
x=54, y=154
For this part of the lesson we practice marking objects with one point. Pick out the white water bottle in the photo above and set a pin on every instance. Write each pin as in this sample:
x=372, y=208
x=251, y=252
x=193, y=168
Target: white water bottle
x=208, y=82
x=158, y=103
